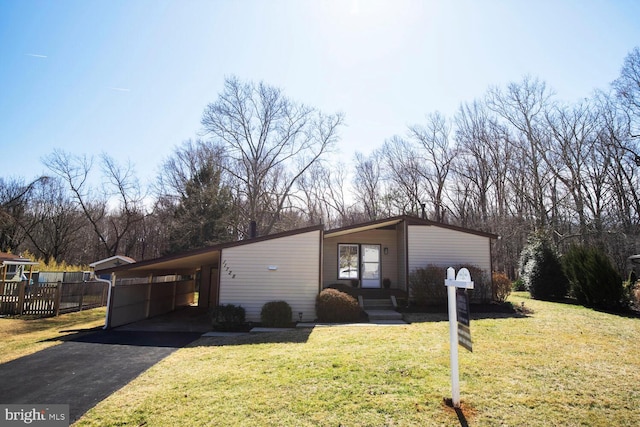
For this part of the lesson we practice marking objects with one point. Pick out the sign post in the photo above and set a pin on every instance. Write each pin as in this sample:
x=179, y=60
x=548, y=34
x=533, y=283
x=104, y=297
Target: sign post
x=453, y=282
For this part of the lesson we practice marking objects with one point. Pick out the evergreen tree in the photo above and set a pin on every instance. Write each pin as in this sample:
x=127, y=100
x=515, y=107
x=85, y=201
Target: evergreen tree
x=201, y=217
x=541, y=271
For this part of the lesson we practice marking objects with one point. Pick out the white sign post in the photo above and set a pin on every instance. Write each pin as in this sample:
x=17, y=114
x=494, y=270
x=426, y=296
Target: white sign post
x=462, y=280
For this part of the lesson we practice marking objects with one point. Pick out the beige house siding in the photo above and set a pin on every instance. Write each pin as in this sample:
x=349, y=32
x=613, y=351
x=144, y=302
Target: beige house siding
x=402, y=258
x=285, y=268
x=446, y=247
x=385, y=238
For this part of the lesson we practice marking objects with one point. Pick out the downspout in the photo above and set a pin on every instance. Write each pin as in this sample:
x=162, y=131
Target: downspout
x=112, y=283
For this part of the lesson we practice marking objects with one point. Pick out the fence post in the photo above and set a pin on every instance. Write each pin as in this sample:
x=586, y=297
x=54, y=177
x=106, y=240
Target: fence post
x=105, y=294
x=56, y=305
x=82, y=296
x=21, y=292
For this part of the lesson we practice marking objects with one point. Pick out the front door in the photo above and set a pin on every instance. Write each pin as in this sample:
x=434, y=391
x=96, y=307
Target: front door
x=370, y=265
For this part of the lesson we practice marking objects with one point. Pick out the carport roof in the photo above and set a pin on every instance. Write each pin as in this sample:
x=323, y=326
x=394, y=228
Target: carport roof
x=190, y=261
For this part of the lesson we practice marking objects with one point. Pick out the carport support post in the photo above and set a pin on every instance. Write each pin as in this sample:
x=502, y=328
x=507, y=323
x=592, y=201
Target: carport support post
x=149, y=286
x=453, y=339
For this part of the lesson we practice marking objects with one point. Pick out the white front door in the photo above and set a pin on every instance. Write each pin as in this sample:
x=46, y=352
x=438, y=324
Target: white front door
x=370, y=257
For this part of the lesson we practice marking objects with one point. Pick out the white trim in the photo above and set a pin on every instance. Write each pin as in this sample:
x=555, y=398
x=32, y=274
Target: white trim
x=126, y=259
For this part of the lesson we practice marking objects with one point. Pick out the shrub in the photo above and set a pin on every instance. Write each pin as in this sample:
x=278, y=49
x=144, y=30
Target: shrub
x=501, y=286
x=335, y=306
x=632, y=290
x=228, y=317
x=518, y=285
x=426, y=285
x=276, y=314
x=541, y=271
x=594, y=281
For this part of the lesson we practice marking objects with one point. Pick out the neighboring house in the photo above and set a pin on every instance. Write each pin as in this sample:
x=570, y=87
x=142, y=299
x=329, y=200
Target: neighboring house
x=114, y=261
x=294, y=266
x=14, y=268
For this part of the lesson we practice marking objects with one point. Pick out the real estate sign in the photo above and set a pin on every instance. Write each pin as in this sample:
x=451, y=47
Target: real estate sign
x=463, y=315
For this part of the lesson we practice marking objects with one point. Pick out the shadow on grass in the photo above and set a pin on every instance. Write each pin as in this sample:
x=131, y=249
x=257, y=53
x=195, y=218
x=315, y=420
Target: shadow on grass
x=286, y=336
x=478, y=311
x=130, y=338
x=627, y=312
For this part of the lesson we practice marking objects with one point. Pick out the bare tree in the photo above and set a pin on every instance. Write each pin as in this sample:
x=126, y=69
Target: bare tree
x=572, y=159
x=523, y=107
x=270, y=142
x=437, y=155
x=321, y=196
x=111, y=212
x=14, y=201
x=627, y=88
x=403, y=172
x=368, y=185
x=52, y=224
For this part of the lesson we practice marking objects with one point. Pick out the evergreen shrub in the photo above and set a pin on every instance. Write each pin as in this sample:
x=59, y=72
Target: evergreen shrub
x=228, y=317
x=541, y=271
x=276, y=314
x=594, y=280
x=426, y=286
x=333, y=306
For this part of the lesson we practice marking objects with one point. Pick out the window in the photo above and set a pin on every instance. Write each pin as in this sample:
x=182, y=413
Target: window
x=348, y=262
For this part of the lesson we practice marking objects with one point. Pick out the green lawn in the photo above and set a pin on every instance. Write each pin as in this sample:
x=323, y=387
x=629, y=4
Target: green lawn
x=562, y=365
x=24, y=335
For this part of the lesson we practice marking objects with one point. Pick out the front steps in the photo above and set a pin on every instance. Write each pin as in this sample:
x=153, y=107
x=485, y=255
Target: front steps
x=380, y=310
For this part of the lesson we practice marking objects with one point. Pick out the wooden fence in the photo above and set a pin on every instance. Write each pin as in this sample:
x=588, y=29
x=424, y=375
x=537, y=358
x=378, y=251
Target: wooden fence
x=51, y=299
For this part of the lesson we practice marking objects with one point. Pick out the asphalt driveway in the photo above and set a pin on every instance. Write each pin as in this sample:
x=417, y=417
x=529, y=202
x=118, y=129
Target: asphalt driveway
x=87, y=368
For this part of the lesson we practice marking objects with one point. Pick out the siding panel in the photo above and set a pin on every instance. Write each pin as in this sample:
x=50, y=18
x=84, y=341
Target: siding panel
x=248, y=277
x=445, y=247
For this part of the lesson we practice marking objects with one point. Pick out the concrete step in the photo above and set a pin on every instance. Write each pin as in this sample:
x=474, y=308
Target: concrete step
x=375, y=315
x=378, y=304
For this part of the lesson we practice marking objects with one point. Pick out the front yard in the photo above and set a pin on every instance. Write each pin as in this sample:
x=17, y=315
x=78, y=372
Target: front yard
x=562, y=365
x=20, y=336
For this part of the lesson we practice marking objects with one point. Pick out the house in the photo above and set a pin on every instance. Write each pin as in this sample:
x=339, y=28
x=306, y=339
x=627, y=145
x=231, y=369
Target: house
x=293, y=266
x=14, y=268
x=110, y=262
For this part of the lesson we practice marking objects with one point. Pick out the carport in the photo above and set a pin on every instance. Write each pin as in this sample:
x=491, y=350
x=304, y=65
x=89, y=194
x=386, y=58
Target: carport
x=249, y=273
x=150, y=288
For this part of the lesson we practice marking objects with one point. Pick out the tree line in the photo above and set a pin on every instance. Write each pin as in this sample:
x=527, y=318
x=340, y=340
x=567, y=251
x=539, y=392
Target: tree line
x=515, y=162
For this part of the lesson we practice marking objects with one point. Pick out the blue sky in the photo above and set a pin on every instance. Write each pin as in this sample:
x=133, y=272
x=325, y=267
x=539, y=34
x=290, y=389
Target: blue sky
x=131, y=78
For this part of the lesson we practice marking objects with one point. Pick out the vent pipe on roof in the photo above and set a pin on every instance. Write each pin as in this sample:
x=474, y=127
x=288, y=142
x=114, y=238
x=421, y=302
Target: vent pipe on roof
x=253, y=230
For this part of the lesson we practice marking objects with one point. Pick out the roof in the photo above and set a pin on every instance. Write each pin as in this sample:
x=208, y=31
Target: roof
x=410, y=220
x=188, y=262
x=116, y=258
x=12, y=259
x=634, y=259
